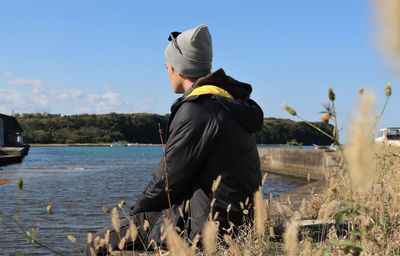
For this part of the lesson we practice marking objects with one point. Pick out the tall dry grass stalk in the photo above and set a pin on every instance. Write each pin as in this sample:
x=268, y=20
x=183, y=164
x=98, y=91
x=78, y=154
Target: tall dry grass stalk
x=72, y=239
x=133, y=232
x=234, y=248
x=115, y=220
x=290, y=238
x=306, y=248
x=89, y=238
x=260, y=213
x=387, y=17
x=176, y=245
x=360, y=152
x=210, y=235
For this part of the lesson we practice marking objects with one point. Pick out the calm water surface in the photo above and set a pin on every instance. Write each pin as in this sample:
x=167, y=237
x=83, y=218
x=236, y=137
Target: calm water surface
x=78, y=182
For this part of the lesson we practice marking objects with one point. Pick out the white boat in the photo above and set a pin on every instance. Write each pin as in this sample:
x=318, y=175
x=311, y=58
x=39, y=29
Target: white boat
x=117, y=144
x=389, y=136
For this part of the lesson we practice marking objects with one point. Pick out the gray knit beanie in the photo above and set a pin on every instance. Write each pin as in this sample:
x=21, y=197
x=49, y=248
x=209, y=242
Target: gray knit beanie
x=190, y=53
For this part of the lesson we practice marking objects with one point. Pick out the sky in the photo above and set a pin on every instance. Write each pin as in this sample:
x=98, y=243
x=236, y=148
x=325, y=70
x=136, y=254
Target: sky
x=72, y=57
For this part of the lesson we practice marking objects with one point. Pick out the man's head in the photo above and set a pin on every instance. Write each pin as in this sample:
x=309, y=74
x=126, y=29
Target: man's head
x=188, y=56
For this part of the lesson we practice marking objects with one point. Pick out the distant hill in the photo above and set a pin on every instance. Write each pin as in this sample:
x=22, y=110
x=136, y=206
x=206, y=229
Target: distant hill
x=144, y=128
x=286, y=131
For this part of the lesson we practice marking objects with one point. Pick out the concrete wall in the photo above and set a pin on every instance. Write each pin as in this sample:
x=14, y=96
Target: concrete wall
x=317, y=163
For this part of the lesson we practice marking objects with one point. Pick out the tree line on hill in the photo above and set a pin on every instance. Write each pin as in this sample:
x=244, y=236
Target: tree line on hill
x=144, y=128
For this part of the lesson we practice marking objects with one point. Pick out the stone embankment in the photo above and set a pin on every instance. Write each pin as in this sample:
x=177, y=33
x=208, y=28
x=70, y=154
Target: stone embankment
x=314, y=165
x=304, y=163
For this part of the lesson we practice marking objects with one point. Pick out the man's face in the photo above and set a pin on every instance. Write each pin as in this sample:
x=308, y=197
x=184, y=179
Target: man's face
x=175, y=79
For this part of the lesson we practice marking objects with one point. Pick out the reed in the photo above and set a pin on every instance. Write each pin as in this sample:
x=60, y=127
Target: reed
x=360, y=150
x=176, y=245
x=210, y=231
x=260, y=213
x=387, y=36
x=290, y=238
x=115, y=220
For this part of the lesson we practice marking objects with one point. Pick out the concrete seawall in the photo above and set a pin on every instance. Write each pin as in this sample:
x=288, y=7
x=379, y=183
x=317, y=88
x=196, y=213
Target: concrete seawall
x=317, y=163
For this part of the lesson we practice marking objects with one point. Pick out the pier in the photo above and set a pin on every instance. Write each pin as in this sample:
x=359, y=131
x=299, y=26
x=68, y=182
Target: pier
x=314, y=164
x=12, y=147
x=12, y=155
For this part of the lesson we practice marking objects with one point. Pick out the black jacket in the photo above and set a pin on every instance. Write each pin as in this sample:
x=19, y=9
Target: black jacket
x=210, y=133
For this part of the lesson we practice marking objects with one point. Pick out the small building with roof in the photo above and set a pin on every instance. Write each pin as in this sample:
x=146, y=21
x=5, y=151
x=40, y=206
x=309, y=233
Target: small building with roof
x=10, y=132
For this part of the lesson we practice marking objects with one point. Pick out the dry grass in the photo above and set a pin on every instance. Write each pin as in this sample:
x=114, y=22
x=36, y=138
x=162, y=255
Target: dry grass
x=210, y=230
x=387, y=17
x=176, y=245
x=364, y=193
x=290, y=238
x=360, y=150
x=260, y=213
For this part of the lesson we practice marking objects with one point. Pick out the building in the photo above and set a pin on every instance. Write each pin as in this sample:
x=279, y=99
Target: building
x=10, y=132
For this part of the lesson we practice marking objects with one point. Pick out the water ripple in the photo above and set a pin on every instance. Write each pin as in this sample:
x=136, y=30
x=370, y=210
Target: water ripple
x=78, y=183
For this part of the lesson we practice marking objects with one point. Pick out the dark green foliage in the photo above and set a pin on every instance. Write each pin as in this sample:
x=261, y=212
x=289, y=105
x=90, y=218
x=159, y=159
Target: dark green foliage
x=283, y=131
x=85, y=128
x=143, y=128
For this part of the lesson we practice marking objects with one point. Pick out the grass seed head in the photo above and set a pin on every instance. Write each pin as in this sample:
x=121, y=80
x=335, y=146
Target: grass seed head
x=260, y=213
x=331, y=95
x=216, y=183
x=115, y=220
x=133, y=232
x=121, y=204
x=210, y=233
x=388, y=89
x=290, y=238
x=290, y=110
x=72, y=239
x=360, y=153
x=89, y=238
x=176, y=245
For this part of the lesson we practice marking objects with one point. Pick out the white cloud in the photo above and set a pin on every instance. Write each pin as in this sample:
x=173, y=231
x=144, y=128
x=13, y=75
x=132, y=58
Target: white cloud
x=66, y=94
x=111, y=97
x=8, y=96
x=41, y=100
x=85, y=109
x=42, y=97
x=36, y=85
x=107, y=101
x=145, y=105
x=12, y=101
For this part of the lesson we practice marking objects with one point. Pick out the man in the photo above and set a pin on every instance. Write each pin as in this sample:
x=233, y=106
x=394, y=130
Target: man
x=211, y=134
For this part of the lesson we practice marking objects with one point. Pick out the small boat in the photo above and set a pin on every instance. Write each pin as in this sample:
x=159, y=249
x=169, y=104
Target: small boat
x=117, y=144
x=325, y=147
x=389, y=136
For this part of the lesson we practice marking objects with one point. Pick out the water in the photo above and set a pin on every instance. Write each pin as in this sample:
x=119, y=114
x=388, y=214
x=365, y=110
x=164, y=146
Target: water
x=78, y=182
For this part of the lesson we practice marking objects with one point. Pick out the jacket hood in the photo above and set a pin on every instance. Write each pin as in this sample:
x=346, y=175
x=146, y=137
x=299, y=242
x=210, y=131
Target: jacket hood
x=246, y=111
x=238, y=90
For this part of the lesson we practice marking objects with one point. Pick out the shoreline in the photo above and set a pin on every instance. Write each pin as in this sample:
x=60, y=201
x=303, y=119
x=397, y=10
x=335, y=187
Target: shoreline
x=94, y=145
x=130, y=145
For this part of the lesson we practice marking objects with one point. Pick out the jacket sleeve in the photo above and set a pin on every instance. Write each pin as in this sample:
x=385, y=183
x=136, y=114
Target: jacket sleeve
x=192, y=134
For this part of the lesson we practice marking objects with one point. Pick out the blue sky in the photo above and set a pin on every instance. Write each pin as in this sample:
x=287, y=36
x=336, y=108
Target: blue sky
x=72, y=57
